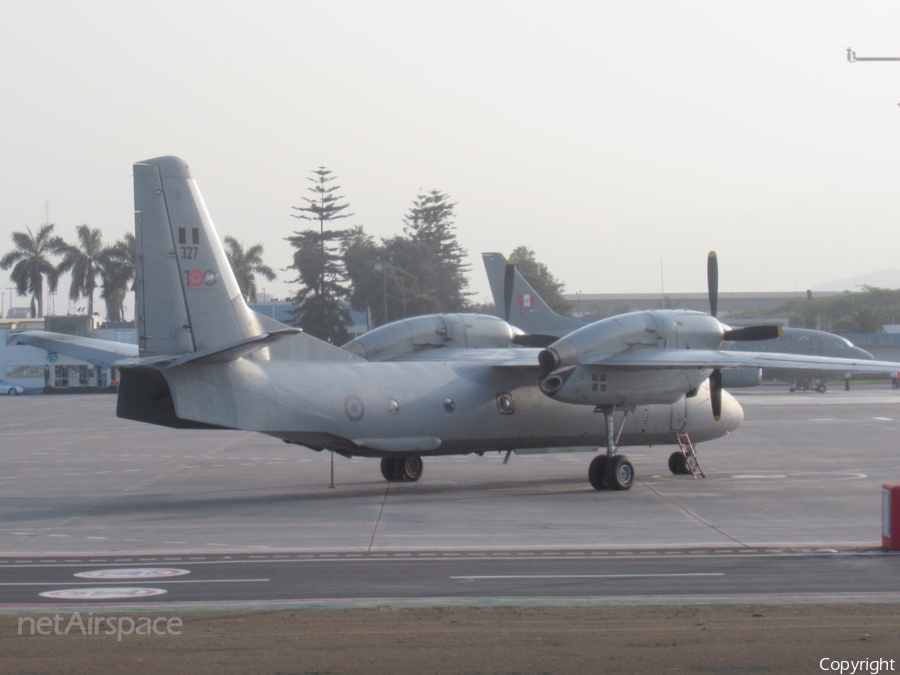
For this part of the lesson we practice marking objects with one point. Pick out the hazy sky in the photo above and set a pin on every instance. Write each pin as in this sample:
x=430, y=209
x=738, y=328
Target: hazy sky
x=607, y=136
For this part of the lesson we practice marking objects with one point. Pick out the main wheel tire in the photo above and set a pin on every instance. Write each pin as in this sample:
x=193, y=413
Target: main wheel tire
x=821, y=389
x=410, y=468
x=597, y=471
x=12, y=392
x=388, y=466
x=619, y=473
x=675, y=460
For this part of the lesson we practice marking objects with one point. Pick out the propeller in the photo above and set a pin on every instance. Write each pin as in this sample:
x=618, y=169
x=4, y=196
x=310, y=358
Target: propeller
x=712, y=282
x=748, y=333
x=534, y=340
x=715, y=378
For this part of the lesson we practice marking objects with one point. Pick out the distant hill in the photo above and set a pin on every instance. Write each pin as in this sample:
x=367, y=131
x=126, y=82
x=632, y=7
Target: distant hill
x=881, y=279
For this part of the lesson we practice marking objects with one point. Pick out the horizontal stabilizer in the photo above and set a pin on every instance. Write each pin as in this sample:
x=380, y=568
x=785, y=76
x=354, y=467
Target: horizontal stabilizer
x=103, y=353
x=235, y=350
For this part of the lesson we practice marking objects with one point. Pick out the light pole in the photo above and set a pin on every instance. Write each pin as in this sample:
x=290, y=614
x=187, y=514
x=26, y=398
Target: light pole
x=852, y=57
x=382, y=267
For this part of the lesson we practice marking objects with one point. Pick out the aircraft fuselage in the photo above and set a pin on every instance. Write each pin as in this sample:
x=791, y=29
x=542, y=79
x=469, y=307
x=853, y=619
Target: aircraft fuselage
x=422, y=408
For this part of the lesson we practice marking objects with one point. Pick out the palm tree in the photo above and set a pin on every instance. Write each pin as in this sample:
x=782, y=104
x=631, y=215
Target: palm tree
x=246, y=265
x=83, y=261
x=30, y=264
x=117, y=269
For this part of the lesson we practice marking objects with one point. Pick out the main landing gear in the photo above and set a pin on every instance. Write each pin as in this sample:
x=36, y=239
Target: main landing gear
x=397, y=469
x=611, y=471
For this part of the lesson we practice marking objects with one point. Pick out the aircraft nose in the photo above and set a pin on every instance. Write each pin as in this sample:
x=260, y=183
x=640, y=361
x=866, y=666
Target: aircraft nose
x=732, y=412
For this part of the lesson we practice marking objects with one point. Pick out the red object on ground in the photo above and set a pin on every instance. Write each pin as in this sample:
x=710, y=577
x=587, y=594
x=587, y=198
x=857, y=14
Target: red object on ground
x=890, y=516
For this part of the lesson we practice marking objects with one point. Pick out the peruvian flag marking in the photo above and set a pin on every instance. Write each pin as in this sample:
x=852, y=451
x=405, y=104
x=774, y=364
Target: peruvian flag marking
x=527, y=303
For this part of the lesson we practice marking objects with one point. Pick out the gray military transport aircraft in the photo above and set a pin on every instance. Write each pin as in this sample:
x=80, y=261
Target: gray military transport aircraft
x=518, y=303
x=432, y=385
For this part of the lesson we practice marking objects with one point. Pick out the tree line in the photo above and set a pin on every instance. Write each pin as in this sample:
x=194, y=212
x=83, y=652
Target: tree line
x=419, y=271
x=863, y=311
x=87, y=260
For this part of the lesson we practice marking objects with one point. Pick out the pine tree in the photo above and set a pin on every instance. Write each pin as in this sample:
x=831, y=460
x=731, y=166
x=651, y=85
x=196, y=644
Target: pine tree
x=319, y=307
x=430, y=224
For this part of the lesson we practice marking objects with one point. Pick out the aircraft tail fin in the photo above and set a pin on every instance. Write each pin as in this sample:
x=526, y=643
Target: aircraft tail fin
x=517, y=302
x=187, y=296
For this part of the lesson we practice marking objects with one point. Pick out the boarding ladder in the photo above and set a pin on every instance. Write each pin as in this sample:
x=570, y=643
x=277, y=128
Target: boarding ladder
x=692, y=464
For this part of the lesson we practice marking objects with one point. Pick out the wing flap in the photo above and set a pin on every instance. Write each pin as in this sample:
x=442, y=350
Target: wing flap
x=710, y=358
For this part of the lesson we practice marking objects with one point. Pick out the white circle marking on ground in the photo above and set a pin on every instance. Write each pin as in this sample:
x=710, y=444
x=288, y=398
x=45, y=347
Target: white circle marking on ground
x=102, y=593
x=134, y=573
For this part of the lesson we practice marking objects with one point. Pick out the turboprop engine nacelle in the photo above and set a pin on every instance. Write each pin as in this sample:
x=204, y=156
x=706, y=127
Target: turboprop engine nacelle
x=574, y=369
x=433, y=331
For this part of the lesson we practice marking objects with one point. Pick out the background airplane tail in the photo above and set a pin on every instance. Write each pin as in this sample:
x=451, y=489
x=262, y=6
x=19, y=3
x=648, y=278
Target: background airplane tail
x=518, y=303
x=187, y=297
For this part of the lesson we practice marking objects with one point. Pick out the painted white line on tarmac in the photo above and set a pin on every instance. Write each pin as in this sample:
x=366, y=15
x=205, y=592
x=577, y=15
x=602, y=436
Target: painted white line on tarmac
x=589, y=576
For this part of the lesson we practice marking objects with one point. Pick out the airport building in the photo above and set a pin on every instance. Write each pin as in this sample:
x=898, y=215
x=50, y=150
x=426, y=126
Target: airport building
x=40, y=371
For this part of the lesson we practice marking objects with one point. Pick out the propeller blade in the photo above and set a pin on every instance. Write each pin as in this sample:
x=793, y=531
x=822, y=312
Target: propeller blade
x=715, y=393
x=509, y=277
x=535, y=340
x=712, y=281
x=751, y=333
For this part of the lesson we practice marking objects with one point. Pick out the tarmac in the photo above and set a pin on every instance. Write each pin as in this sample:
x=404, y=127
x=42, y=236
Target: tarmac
x=790, y=508
x=803, y=470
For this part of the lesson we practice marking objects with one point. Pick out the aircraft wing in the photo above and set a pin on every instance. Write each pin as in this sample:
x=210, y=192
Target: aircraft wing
x=711, y=358
x=104, y=353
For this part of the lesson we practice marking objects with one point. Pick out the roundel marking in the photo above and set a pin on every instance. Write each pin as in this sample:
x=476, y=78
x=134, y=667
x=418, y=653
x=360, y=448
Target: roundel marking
x=195, y=278
x=134, y=573
x=103, y=593
x=354, y=408
x=209, y=277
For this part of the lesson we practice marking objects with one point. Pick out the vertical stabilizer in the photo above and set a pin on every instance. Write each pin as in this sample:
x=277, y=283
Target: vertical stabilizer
x=187, y=296
x=518, y=303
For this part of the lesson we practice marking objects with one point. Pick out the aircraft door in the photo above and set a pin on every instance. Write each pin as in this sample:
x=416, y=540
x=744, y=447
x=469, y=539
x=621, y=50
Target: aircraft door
x=679, y=415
